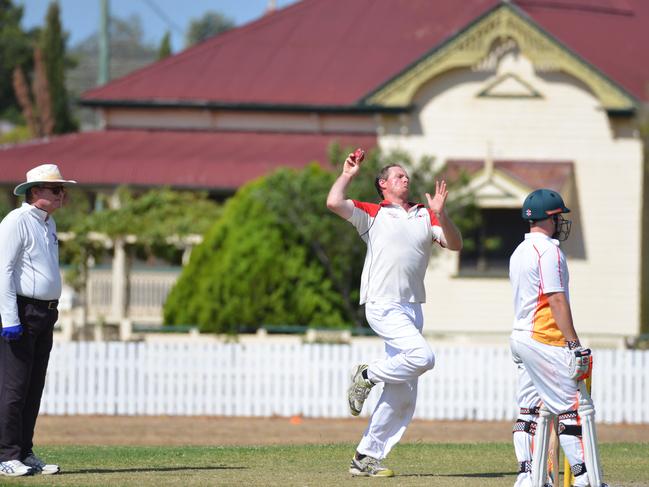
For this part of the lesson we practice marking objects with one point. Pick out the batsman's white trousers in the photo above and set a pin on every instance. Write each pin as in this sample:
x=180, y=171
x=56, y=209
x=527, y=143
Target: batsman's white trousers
x=408, y=355
x=543, y=376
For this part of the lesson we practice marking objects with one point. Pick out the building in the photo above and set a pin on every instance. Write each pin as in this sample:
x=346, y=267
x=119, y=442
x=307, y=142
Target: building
x=520, y=94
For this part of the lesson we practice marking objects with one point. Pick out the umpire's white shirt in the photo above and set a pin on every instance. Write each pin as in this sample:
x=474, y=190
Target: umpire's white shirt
x=29, y=260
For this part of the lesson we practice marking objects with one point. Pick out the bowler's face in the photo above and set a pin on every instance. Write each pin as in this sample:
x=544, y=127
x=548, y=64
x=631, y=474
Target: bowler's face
x=397, y=183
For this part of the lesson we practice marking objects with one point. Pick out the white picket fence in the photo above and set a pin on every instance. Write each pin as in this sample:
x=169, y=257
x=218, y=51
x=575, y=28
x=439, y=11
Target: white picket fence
x=283, y=379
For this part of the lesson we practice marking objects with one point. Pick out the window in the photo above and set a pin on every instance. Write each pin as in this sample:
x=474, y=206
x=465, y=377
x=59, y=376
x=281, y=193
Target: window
x=487, y=248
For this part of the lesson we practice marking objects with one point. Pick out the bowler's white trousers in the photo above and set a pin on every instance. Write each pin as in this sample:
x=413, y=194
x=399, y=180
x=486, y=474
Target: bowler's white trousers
x=408, y=355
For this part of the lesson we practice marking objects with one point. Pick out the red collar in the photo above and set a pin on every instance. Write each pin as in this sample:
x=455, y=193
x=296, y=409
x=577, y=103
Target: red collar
x=412, y=204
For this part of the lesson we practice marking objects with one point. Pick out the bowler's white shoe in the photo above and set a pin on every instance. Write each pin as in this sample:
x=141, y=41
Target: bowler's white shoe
x=369, y=467
x=39, y=466
x=524, y=479
x=14, y=468
x=358, y=390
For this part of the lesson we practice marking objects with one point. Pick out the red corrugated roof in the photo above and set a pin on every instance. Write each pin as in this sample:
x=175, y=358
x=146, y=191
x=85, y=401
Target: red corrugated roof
x=335, y=52
x=315, y=52
x=181, y=159
x=611, y=35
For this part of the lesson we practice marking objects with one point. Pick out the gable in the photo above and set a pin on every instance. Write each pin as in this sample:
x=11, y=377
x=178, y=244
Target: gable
x=478, y=44
x=504, y=183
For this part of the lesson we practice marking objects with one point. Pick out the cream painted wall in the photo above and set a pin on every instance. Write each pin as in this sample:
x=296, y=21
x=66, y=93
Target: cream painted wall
x=565, y=124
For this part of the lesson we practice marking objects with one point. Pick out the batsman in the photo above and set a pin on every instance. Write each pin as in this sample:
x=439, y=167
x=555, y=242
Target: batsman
x=552, y=364
x=399, y=236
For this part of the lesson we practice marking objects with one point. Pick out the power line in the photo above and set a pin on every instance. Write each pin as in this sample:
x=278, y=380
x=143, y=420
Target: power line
x=163, y=16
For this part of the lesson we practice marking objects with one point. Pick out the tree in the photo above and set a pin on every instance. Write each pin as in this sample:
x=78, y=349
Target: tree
x=165, y=46
x=37, y=106
x=210, y=24
x=78, y=250
x=156, y=216
x=128, y=52
x=278, y=256
x=52, y=44
x=15, y=50
x=19, y=133
x=252, y=269
x=22, y=93
x=159, y=219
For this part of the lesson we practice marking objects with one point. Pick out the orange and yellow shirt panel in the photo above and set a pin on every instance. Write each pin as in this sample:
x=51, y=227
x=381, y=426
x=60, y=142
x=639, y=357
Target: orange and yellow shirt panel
x=537, y=268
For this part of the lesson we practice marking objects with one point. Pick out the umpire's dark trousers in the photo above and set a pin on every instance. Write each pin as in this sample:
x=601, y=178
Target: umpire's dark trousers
x=23, y=364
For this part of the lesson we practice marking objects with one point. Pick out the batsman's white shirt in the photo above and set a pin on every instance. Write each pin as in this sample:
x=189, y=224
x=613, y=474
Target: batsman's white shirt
x=399, y=244
x=538, y=267
x=29, y=260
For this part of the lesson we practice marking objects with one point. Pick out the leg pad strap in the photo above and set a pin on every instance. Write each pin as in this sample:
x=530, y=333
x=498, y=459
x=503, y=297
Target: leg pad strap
x=525, y=426
x=578, y=469
x=574, y=414
x=531, y=411
x=570, y=429
x=524, y=467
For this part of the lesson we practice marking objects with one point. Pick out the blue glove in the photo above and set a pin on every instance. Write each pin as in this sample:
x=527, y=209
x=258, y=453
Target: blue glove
x=12, y=333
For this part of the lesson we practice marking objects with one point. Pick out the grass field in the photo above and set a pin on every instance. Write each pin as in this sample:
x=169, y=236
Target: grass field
x=425, y=464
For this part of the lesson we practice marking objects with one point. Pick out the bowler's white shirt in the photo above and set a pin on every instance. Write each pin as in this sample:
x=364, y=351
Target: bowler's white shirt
x=29, y=260
x=399, y=244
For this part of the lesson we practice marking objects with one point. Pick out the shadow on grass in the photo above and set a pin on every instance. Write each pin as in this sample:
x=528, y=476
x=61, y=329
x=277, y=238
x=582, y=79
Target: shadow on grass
x=490, y=475
x=145, y=469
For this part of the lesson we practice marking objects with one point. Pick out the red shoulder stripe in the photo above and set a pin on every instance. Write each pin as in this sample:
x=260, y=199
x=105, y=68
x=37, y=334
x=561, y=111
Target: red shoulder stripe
x=370, y=208
x=433, y=218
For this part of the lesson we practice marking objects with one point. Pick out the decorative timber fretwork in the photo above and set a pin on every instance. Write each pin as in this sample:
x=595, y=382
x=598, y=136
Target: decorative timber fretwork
x=502, y=26
x=509, y=86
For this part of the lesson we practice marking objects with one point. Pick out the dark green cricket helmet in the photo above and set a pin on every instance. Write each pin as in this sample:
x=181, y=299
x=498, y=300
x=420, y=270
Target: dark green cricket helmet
x=542, y=204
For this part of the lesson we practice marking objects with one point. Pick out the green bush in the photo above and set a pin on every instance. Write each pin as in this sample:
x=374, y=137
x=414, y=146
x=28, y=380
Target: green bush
x=255, y=267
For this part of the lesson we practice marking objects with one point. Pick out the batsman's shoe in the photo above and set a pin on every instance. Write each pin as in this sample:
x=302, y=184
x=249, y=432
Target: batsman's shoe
x=523, y=480
x=358, y=390
x=39, y=466
x=369, y=467
x=14, y=468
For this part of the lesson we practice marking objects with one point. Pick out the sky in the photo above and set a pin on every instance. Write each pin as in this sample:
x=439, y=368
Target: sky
x=80, y=18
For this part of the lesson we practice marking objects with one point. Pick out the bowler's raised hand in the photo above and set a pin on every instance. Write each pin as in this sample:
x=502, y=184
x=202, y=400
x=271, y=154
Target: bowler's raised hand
x=436, y=203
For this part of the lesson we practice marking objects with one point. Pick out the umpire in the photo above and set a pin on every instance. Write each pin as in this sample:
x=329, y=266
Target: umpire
x=30, y=287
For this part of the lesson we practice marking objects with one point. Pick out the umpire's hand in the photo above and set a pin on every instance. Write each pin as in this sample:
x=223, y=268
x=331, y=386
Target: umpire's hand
x=12, y=333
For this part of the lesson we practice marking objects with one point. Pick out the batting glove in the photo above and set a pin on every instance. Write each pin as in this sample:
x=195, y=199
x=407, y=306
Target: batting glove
x=581, y=363
x=12, y=333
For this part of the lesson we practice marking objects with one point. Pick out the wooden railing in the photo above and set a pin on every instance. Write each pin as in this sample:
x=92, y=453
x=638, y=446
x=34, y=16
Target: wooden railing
x=148, y=291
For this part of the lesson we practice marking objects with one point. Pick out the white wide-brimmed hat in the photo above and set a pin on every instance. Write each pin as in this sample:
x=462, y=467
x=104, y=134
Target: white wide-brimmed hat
x=45, y=173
